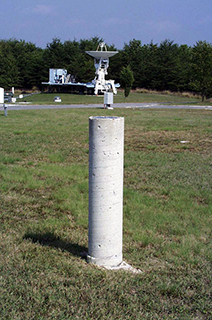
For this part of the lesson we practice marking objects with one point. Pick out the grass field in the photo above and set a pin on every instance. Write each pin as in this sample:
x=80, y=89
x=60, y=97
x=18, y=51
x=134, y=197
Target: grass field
x=167, y=217
x=134, y=97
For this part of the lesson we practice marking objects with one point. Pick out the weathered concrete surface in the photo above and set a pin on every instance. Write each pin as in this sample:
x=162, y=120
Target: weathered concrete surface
x=106, y=154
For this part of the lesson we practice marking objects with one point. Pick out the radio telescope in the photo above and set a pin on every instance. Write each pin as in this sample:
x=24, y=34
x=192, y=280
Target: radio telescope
x=101, y=62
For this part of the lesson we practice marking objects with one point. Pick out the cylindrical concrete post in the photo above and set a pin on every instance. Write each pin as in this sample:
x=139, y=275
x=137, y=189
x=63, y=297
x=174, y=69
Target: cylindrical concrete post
x=106, y=154
x=5, y=110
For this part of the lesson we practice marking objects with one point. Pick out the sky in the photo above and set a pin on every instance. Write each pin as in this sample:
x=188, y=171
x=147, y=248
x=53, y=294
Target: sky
x=116, y=21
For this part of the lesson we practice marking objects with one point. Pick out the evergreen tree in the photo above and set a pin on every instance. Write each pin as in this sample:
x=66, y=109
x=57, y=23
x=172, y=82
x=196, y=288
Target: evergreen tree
x=201, y=76
x=133, y=58
x=167, y=66
x=126, y=78
x=9, y=71
x=148, y=66
x=183, y=74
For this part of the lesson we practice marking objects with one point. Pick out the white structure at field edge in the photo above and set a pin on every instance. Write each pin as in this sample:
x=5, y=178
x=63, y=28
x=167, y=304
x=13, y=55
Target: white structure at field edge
x=1, y=96
x=101, y=63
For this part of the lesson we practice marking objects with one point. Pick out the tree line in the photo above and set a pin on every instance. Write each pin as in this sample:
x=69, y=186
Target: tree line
x=164, y=66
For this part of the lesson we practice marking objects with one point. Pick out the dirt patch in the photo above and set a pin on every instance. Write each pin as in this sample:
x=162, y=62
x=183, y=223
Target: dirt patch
x=167, y=141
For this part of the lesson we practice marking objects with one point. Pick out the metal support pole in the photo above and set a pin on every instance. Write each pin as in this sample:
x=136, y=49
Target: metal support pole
x=106, y=154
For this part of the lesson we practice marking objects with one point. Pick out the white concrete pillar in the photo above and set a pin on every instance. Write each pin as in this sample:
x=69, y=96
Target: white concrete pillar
x=5, y=110
x=106, y=154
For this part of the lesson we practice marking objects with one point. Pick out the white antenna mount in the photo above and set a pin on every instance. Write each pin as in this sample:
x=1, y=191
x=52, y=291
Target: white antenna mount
x=101, y=62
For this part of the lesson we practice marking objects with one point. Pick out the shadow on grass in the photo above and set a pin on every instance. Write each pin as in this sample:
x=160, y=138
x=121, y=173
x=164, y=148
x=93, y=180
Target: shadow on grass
x=51, y=240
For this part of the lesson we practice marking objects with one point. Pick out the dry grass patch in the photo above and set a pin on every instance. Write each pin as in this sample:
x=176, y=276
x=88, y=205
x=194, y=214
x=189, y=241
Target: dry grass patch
x=167, y=141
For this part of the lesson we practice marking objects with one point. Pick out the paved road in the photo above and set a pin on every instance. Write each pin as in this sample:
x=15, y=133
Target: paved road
x=115, y=105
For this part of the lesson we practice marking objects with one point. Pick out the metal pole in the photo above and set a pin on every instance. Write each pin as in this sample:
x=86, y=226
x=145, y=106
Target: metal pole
x=106, y=154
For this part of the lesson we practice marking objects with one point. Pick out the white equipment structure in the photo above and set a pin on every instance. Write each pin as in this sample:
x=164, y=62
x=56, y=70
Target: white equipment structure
x=2, y=101
x=57, y=75
x=101, y=63
x=1, y=96
x=108, y=100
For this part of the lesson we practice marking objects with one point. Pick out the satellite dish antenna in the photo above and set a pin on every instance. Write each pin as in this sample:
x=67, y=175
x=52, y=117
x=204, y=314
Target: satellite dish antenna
x=102, y=53
x=101, y=63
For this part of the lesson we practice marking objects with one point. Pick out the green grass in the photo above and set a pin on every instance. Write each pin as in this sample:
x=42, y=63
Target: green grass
x=134, y=97
x=44, y=217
